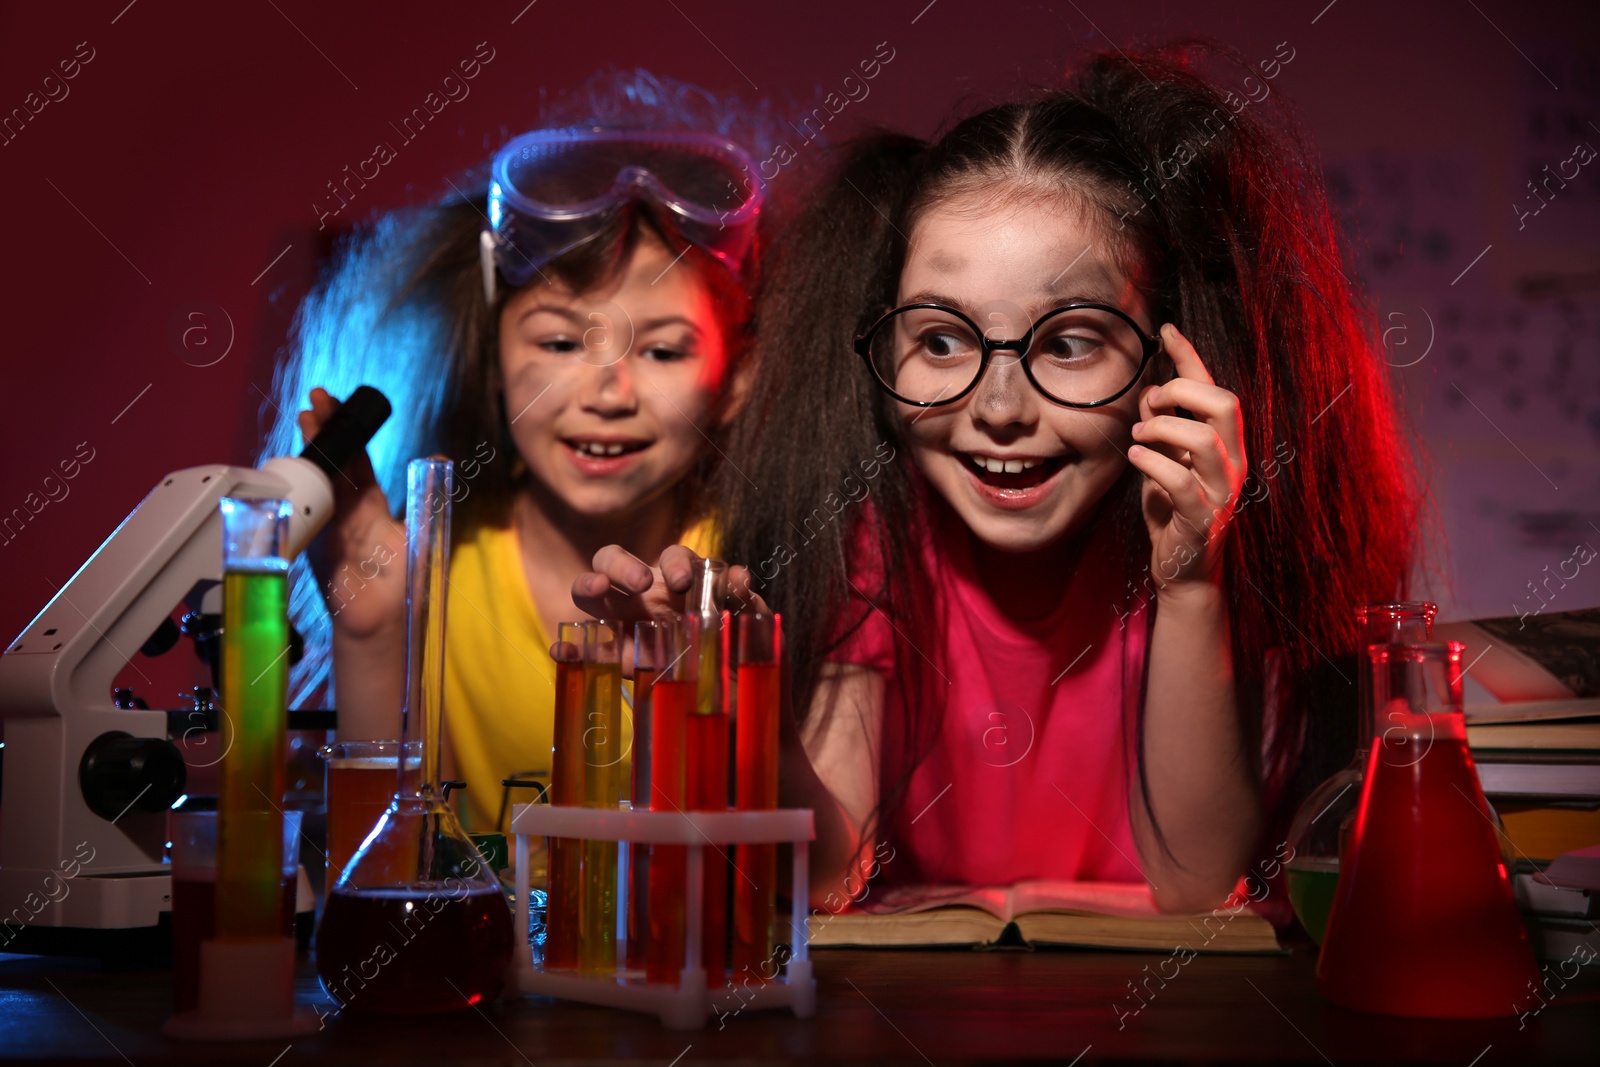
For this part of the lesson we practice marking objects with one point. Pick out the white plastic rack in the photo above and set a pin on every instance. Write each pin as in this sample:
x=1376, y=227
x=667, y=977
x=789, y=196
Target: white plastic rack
x=687, y=1005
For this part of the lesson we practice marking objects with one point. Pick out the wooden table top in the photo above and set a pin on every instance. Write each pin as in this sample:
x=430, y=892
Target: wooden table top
x=917, y=1007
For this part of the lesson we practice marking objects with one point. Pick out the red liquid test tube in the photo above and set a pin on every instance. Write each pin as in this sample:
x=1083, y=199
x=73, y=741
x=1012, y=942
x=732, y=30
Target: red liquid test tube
x=759, y=644
x=644, y=680
x=667, y=649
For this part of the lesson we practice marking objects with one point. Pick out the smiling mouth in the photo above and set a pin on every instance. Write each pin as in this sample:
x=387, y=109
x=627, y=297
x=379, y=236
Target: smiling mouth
x=592, y=449
x=1017, y=474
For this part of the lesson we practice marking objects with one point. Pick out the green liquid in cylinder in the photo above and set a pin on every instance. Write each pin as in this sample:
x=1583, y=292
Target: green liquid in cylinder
x=255, y=683
x=1312, y=885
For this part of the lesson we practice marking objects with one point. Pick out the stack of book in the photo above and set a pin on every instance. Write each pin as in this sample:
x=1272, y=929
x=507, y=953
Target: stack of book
x=1538, y=756
x=1538, y=745
x=1560, y=905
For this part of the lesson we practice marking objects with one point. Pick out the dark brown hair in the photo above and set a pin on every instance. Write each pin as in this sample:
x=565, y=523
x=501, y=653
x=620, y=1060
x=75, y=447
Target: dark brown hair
x=1226, y=217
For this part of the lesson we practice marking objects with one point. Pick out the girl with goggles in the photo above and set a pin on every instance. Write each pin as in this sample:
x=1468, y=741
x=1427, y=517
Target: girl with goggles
x=569, y=334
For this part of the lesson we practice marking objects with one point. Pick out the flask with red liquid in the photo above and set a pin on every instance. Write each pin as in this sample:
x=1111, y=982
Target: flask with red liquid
x=1423, y=922
x=1321, y=826
x=417, y=922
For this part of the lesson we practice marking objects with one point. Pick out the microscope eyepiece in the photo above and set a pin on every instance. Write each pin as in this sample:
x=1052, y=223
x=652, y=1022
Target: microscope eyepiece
x=348, y=430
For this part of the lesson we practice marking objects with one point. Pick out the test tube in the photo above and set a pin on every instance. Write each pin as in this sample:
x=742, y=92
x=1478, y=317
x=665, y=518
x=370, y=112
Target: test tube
x=646, y=666
x=707, y=758
x=759, y=654
x=668, y=650
x=255, y=681
x=602, y=788
x=566, y=788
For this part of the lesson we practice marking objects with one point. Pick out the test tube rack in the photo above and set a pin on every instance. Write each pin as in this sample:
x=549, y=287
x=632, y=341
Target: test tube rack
x=687, y=1005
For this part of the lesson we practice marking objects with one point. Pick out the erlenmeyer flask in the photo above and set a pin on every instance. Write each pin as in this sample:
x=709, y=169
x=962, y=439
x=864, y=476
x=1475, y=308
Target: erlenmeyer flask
x=1321, y=826
x=417, y=922
x=1423, y=923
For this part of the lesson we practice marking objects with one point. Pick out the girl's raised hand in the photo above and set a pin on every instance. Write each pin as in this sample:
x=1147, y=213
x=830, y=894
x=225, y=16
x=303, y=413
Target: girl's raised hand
x=1194, y=467
x=362, y=550
x=622, y=586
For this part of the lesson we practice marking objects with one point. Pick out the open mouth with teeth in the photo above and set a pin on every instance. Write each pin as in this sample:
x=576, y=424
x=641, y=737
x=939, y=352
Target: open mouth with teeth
x=1019, y=473
x=605, y=449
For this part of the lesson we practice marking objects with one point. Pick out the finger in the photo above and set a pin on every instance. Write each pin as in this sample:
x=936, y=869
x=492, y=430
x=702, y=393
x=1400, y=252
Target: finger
x=596, y=595
x=1148, y=412
x=1178, y=482
x=1206, y=453
x=743, y=596
x=625, y=570
x=323, y=403
x=1185, y=360
x=678, y=564
x=1210, y=404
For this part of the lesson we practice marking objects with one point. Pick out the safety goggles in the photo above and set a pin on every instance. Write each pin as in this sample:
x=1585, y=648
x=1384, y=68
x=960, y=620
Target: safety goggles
x=552, y=190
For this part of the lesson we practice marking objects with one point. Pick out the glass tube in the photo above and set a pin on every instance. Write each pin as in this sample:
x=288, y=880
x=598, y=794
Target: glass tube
x=566, y=789
x=707, y=738
x=759, y=645
x=602, y=788
x=255, y=678
x=667, y=647
x=646, y=667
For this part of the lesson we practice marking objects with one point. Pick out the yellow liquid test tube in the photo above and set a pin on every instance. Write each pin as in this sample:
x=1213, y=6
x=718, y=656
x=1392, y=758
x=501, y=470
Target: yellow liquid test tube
x=564, y=903
x=603, y=772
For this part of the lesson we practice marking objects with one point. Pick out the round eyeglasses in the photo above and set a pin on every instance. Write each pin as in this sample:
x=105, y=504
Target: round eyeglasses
x=1078, y=355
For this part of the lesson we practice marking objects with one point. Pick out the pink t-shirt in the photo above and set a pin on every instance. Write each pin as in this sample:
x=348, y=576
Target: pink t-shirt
x=1030, y=772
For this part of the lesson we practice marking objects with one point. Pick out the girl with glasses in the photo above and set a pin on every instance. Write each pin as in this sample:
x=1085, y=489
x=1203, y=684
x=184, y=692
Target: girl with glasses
x=1068, y=458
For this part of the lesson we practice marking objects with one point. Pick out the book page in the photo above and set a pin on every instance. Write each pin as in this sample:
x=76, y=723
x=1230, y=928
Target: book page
x=1531, y=711
x=903, y=900
x=1532, y=657
x=1127, y=899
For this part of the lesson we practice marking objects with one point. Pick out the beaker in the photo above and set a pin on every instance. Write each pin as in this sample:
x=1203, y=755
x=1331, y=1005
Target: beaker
x=1321, y=825
x=417, y=923
x=359, y=786
x=194, y=889
x=1423, y=922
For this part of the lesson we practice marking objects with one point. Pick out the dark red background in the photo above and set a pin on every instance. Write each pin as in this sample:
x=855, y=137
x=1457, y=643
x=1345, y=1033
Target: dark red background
x=194, y=144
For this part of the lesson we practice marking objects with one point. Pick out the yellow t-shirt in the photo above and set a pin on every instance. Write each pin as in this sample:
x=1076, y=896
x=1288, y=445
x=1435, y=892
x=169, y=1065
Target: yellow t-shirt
x=499, y=679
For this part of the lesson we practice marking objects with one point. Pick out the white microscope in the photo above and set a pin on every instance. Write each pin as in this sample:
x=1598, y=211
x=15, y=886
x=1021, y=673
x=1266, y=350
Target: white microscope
x=87, y=783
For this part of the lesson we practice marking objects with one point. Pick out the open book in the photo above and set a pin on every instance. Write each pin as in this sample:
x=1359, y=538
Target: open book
x=1088, y=914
